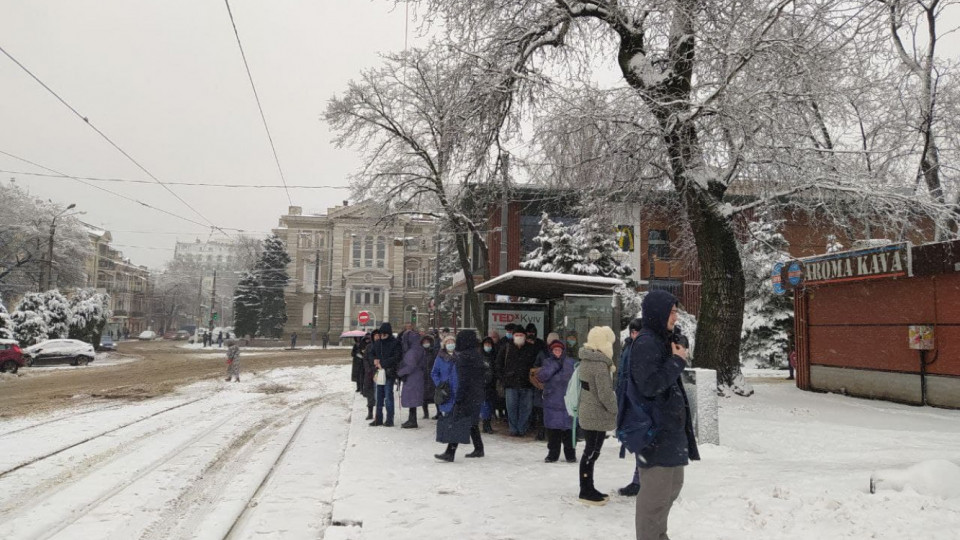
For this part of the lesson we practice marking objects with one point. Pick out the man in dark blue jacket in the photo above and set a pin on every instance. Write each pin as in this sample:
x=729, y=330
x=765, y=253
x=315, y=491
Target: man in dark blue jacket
x=631, y=489
x=656, y=363
x=387, y=355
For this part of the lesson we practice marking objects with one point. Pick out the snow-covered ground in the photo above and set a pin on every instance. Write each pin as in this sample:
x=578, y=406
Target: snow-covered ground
x=287, y=454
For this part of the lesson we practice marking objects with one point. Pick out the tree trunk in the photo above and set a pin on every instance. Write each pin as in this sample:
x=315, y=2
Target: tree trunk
x=470, y=298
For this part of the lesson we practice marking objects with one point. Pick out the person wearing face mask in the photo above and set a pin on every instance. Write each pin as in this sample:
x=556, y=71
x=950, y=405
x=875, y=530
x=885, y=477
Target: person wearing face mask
x=501, y=351
x=536, y=418
x=376, y=377
x=430, y=356
x=571, y=341
x=387, y=356
x=411, y=374
x=490, y=385
x=555, y=374
x=519, y=357
x=460, y=414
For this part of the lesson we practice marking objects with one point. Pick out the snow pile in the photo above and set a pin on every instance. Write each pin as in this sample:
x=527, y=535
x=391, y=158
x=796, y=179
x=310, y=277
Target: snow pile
x=938, y=478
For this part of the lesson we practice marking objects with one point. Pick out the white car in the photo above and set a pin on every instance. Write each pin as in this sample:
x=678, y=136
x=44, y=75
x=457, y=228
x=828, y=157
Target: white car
x=60, y=351
x=147, y=335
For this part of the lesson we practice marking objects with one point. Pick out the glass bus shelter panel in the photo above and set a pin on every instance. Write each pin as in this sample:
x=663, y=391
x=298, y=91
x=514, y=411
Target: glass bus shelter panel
x=580, y=313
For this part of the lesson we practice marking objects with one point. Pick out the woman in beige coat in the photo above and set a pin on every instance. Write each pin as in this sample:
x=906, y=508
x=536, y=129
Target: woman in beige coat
x=598, y=405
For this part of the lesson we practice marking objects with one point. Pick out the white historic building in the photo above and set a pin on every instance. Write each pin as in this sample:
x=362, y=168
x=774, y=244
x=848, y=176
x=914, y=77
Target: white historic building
x=384, y=269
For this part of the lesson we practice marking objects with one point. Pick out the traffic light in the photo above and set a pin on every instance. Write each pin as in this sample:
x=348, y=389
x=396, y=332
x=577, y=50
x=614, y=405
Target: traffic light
x=216, y=316
x=413, y=316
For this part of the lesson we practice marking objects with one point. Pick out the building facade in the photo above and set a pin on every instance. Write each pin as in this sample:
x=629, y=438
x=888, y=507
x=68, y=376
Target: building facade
x=384, y=271
x=129, y=285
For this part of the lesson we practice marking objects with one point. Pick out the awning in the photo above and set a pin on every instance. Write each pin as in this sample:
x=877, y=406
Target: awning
x=547, y=285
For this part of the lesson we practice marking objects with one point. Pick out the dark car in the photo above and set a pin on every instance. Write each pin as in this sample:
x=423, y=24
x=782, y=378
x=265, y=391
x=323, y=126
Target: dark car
x=107, y=343
x=11, y=357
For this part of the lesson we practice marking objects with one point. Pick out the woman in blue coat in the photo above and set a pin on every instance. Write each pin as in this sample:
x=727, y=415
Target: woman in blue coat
x=411, y=373
x=460, y=414
x=555, y=374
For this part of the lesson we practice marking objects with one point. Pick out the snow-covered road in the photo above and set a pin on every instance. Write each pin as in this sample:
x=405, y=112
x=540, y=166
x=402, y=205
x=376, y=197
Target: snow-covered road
x=287, y=454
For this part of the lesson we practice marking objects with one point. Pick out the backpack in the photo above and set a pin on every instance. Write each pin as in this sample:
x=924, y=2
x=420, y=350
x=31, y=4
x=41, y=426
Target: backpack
x=636, y=422
x=571, y=399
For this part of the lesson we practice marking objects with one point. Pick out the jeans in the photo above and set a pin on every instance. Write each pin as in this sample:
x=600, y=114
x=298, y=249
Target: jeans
x=519, y=405
x=486, y=411
x=385, y=397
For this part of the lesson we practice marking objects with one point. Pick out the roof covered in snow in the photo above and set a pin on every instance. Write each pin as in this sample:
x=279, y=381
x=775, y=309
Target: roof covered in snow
x=547, y=285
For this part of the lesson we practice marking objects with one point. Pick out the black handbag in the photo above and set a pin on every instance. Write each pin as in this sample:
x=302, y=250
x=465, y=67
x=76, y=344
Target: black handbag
x=442, y=394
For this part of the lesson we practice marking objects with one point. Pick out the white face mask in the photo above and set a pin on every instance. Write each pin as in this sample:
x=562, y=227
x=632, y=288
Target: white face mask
x=451, y=346
x=519, y=340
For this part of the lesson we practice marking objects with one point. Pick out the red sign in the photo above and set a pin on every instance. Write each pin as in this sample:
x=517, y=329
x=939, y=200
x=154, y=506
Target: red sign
x=363, y=318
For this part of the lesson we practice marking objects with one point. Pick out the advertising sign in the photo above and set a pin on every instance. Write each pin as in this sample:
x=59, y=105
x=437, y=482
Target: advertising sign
x=776, y=278
x=888, y=261
x=921, y=337
x=500, y=314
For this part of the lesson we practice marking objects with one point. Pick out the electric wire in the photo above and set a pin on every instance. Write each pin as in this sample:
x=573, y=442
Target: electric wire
x=87, y=121
x=257, y=97
x=206, y=184
x=137, y=201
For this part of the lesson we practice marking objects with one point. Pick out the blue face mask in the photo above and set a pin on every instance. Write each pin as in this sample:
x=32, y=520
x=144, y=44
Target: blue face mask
x=426, y=345
x=571, y=342
x=509, y=335
x=487, y=348
x=450, y=347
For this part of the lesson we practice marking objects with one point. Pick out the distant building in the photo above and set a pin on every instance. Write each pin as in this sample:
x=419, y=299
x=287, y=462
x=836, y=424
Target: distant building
x=208, y=256
x=384, y=270
x=128, y=285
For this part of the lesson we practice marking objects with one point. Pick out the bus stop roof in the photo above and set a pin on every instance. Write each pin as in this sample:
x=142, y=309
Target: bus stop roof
x=547, y=285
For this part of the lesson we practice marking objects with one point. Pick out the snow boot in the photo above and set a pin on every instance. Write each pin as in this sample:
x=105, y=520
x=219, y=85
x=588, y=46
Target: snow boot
x=369, y=413
x=541, y=435
x=426, y=412
x=630, y=490
x=487, y=428
x=592, y=498
x=589, y=494
x=447, y=455
x=477, y=452
x=477, y=443
x=376, y=423
x=411, y=420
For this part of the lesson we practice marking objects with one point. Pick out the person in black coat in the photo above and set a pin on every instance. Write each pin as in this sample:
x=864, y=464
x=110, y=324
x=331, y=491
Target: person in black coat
x=431, y=349
x=656, y=363
x=369, y=372
x=356, y=373
x=387, y=355
x=489, y=350
x=460, y=425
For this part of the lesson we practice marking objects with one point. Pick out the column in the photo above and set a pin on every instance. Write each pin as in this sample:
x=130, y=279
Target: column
x=386, y=305
x=347, y=318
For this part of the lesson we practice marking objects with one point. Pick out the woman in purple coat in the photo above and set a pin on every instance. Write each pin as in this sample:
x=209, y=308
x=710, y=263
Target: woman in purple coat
x=555, y=374
x=411, y=373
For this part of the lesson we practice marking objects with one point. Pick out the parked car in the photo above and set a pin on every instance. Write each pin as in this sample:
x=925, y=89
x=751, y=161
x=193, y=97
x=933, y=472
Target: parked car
x=169, y=334
x=107, y=343
x=147, y=335
x=11, y=357
x=181, y=335
x=60, y=351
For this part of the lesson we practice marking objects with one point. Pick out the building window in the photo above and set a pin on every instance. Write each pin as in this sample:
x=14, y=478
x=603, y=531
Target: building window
x=305, y=240
x=367, y=297
x=363, y=251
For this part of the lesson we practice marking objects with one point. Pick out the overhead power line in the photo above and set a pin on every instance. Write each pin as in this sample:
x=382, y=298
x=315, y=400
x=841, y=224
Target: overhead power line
x=206, y=184
x=257, y=97
x=87, y=121
x=84, y=182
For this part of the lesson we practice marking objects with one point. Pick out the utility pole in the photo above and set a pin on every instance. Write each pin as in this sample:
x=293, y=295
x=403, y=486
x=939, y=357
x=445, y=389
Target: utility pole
x=200, y=303
x=316, y=293
x=504, y=215
x=53, y=231
x=213, y=296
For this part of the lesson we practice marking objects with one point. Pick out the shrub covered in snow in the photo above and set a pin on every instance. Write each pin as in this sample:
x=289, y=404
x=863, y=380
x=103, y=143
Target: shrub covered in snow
x=768, y=317
x=57, y=314
x=6, y=324
x=29, y=327
x=90, y=313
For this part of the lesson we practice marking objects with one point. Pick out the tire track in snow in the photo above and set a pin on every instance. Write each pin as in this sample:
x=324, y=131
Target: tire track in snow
x=60, y=419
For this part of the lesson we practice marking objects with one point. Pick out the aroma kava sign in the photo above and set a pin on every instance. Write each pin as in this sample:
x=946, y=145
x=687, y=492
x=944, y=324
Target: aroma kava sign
x=872, y=263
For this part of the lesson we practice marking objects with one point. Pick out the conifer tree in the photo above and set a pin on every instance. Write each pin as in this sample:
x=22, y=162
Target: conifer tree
x=57, y=314
x=768, y=317
x=246, y=305
x=6, y=324
x=598, y=246
x=271, y=271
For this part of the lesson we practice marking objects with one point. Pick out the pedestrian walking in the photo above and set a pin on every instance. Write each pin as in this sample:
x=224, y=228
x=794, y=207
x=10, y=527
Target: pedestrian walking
x=519, y=357
x=656, y=363
x=465, y=373
x=555, y=375
x=597, y=409
x=325, y=339
x=220, y=339
x=411, y=374
x=293, y=341
x=387, y=357
x=631, y=489
x=233, y=361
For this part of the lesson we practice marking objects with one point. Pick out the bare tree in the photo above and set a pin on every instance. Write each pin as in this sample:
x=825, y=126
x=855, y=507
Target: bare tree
x=420, y=122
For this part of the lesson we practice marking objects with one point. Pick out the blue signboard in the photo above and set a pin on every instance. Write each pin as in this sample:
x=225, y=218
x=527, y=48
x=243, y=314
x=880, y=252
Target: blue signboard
x=776, y=279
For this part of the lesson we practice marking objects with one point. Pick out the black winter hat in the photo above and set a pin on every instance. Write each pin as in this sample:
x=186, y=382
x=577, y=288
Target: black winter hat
x=531, y=329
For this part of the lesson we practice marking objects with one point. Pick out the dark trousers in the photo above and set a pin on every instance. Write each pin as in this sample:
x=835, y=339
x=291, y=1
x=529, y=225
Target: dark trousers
x=594, y=441
x=385, y=398
x=474, y=438
x=556, y=437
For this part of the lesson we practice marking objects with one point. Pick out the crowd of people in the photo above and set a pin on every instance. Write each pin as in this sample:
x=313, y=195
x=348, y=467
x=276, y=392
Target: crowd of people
x=525, y=381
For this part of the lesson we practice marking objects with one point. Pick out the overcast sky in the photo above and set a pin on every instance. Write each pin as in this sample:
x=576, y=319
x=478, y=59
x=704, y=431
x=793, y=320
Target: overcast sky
x=165, y=81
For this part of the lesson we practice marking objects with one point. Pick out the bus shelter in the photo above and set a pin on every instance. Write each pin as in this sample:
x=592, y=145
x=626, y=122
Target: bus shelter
x=561, y=303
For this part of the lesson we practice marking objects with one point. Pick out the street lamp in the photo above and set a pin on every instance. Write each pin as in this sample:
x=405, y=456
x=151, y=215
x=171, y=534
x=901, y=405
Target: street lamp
x=53, y=230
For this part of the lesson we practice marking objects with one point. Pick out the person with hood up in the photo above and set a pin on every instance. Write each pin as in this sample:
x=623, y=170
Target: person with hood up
x=368, y=387
x=555, y=375
x=656, y=363
x=387, y=356
x=518, y=358
x=356, y=353
x=489, y=350
x=501, y=351
x=597, y=410
x=233, y=361
x=466, y=373
x=411, y=374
